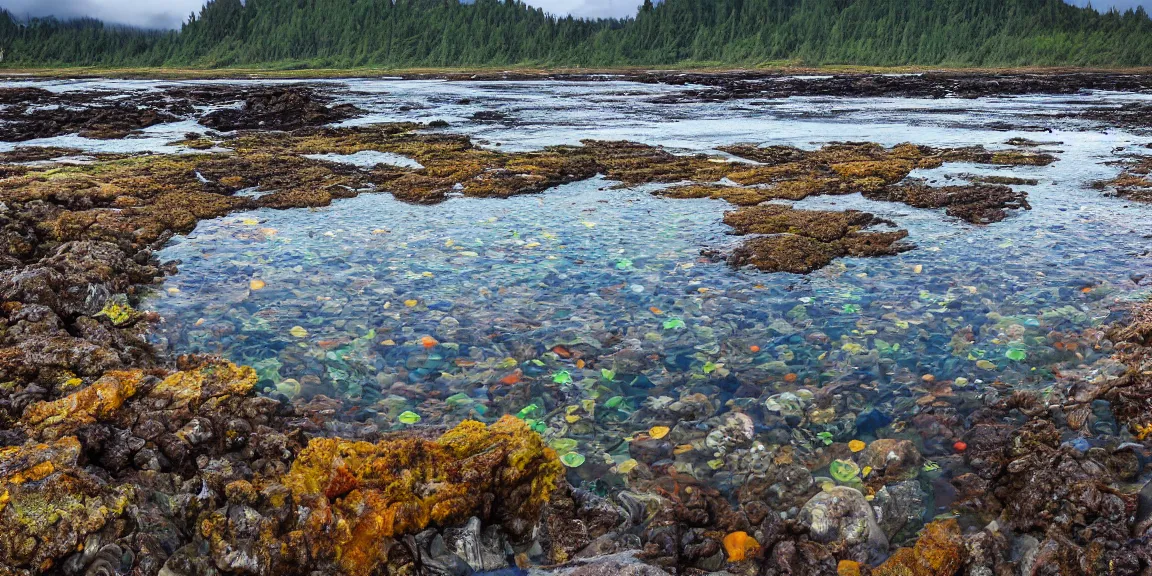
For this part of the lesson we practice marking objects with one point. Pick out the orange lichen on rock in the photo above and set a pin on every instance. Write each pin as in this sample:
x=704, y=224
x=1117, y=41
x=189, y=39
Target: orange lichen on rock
x=100, y=401
x=848, y=568
x=359, y=495
x=939, y=550
x=738, y=545
x=49, y=504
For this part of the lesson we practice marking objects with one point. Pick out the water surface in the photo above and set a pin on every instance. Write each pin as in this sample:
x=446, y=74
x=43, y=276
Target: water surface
x=579, y=307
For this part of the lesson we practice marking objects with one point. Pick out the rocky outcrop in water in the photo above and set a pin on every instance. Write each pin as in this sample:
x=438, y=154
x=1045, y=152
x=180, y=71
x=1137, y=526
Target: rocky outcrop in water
x=31, y=113
x=278, y=109
x=751, y=84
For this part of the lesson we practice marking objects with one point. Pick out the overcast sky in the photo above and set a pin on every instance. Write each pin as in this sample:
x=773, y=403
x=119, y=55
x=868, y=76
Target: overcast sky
x=169, y=13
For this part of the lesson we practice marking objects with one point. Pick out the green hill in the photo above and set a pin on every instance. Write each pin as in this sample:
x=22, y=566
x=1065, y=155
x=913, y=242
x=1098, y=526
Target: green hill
x=447, y=33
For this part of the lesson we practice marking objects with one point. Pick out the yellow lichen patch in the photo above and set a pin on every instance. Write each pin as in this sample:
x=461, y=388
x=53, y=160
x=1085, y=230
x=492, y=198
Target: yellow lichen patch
x=118, y=311
x=49, y=505
x=939, y=550
x=100, y=401
x=361, y=494
x=738, y=545
x=191, y=387
x=33, y=474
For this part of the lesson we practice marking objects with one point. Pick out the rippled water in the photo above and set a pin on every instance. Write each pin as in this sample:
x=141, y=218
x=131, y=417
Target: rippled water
x=589, y=292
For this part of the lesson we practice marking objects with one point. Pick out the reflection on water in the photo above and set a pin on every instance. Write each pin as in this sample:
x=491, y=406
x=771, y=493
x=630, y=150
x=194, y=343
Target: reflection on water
x=590, y=310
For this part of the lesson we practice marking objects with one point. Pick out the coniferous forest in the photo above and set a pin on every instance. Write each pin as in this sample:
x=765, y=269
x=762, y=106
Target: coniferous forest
x=448, y=33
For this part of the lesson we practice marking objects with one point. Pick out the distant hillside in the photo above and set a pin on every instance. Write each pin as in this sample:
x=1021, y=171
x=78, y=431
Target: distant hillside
x=447, y=33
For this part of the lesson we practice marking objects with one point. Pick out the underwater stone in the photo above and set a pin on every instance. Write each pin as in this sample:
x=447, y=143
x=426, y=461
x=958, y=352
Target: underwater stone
x=891, y=460
x=900, y=509
x=841, y=514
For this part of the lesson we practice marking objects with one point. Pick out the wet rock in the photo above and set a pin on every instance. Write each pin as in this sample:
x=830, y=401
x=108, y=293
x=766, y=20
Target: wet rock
x=575, y=520
x=101, y=400
x=843, y=515
x=781, y=487
x=752, y=84
x=650, y=450
x=489, y=116
x=891, y=460
x=801, y=255
x=736, y=430
x=104, y=121
x=279, y=109
x=1128, y=115
x=977, y=203
x=482, y=549
x=822, y=225
x=900, y=509
x=1143, y=518
x=640, y=507
x=600, y=515
x=801, y=557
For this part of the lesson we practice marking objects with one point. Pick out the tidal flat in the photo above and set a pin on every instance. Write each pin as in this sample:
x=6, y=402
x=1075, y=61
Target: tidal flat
x=684, y=324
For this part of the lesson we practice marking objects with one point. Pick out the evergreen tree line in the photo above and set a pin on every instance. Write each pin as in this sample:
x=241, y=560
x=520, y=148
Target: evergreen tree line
x=448, y=33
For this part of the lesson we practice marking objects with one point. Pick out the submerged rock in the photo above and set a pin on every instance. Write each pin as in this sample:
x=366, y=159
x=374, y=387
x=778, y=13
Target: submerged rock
x=841, y=514
x=900, y=509
x=892, y=460
x=483, y=550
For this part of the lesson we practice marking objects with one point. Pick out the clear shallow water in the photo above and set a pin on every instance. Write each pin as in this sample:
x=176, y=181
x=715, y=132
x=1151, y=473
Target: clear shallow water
x=476, y=308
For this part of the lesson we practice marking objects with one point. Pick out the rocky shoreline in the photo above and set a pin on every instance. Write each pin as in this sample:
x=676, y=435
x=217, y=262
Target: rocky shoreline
x=115, y=460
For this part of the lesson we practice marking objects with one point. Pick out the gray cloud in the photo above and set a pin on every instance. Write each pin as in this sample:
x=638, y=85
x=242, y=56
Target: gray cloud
x=146, y=13
x=170, y=13
x=590, y=8
x=1122, y=5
